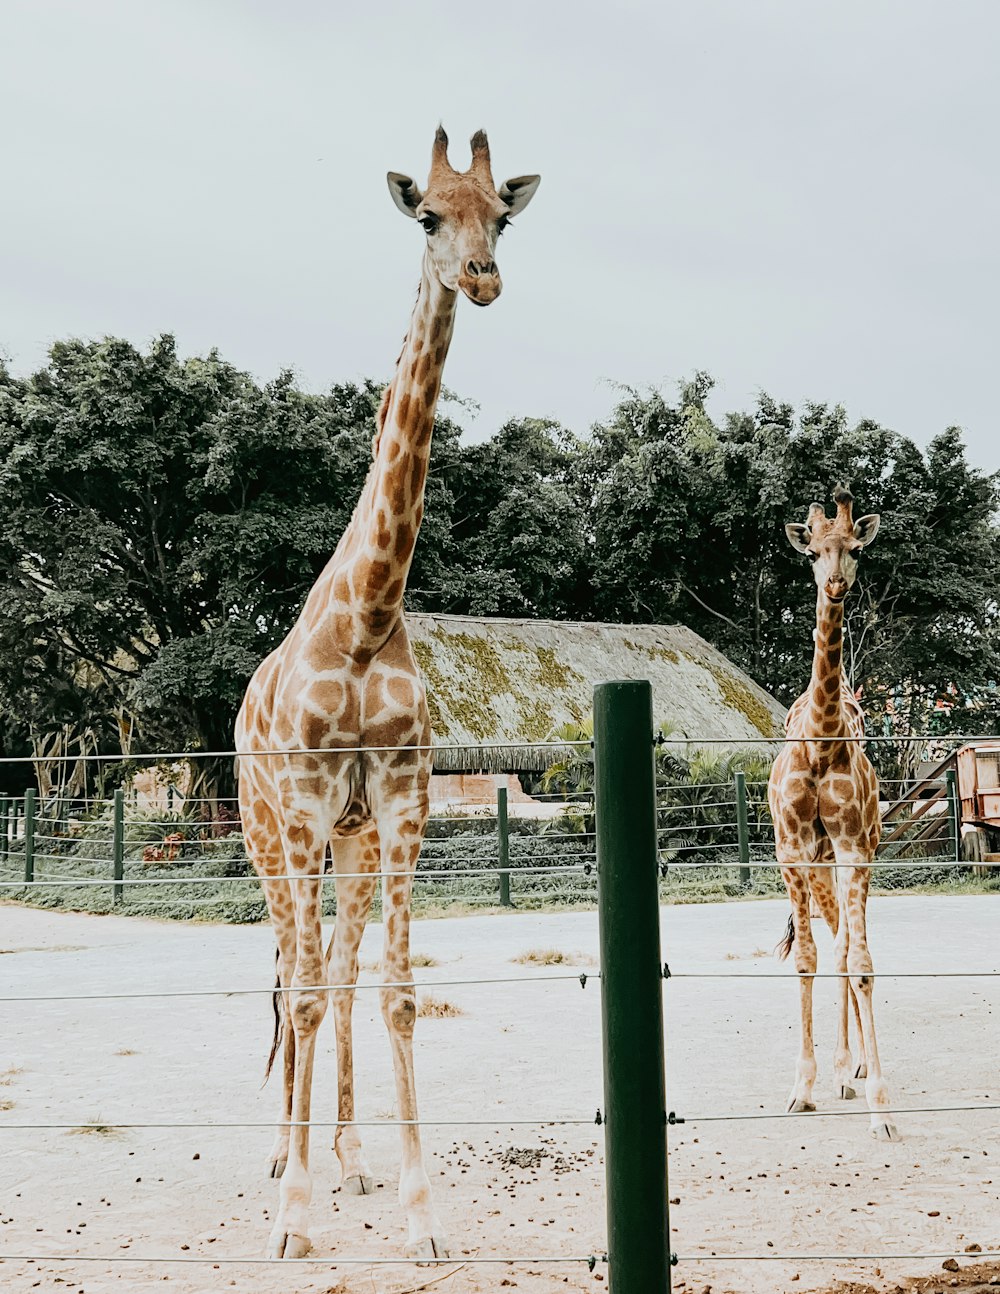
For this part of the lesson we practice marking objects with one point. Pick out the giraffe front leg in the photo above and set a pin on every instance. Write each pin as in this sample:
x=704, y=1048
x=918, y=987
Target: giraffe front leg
x=354, y=897
x=854, y=895
x=305, y=1006
x=399, y=1010
x=822, y=884
x=844, y=1072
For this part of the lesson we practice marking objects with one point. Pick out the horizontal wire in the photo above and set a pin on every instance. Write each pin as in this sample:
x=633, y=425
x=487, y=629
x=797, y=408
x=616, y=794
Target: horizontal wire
x=709, y=804
x=430, y=747
x=314, y=1123
x=332, y=1260
x=676, y=1120
x=523, y=896
x=796, y=975
x=306, y=988
x=979, y=1256
x=687, y=786
x=861, y=1112
x=900, y=864
x=425, y=858
x=818, y=740
x=426, y=875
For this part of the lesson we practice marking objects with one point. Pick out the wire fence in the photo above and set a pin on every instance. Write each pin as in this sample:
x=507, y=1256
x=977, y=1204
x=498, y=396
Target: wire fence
x=115, y=854
x=715, y=839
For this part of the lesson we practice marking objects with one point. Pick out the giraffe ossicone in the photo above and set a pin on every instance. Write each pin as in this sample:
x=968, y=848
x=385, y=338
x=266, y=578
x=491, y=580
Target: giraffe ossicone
x=345, y=677
x=824, y=801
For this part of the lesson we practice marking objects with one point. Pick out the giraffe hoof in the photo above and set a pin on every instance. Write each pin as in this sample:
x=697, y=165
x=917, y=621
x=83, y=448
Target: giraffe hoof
x=798, y=1106
x=845, y=1092
x=277, y=1166
x=286, y=1244
x=428, y=1248
x=358, y=1185
x=861, y=1071
x=885, y=1131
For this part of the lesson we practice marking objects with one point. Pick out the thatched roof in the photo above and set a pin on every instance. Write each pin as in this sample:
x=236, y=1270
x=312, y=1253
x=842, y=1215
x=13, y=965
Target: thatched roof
x=505, y=682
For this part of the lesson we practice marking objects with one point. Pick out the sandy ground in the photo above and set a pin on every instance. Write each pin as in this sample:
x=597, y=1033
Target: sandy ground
x=806, y=1184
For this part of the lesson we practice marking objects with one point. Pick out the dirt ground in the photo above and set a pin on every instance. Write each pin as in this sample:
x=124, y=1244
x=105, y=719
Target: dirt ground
x=802, y=1185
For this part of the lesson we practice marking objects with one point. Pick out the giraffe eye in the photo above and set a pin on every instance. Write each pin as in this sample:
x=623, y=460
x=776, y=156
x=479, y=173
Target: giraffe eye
x=502, y=224
x=430, y=222
x=813, y=557
x=854, y=554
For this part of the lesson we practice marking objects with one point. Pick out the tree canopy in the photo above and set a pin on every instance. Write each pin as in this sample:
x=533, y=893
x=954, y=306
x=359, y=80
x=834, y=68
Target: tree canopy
x=161, y=521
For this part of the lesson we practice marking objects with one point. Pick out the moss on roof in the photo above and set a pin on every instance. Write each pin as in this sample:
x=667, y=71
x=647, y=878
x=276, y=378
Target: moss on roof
x=499, y=683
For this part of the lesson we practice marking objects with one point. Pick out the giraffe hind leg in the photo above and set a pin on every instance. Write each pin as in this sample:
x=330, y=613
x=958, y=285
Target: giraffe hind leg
x=796, y=882
x=265, y=852
x=823, y=889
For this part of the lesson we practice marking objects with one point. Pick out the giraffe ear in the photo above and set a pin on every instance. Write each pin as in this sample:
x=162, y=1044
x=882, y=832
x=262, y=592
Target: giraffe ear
x=517, y=193
x=798, y=536
x=405, y=193
x=866, y=528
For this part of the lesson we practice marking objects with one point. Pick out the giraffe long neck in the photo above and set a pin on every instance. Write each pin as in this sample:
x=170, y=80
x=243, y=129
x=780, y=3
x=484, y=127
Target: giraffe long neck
x=826, y=714
x=379, y=542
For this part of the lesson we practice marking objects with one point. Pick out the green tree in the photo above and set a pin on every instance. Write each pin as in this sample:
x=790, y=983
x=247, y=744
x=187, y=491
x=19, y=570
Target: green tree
x=518, y=540
x=688, y=526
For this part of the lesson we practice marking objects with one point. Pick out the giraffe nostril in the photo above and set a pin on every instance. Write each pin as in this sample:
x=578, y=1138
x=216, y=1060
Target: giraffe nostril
x=472, y=269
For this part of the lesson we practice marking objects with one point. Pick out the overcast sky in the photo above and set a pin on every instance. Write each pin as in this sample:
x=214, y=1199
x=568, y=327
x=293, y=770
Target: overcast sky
x=799, y=197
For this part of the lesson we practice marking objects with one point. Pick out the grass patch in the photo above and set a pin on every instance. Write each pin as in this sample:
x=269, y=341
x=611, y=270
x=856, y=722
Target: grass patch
x=553, y=957
x=417, y=960
x=126, y=1051
x=95, y=1128
x=6, y=1105
x=436, y=1008
x=8, y=1075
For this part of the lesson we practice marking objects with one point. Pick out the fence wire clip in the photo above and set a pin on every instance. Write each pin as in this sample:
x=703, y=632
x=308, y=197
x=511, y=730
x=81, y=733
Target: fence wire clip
x=673, y=1119
x=666, y=971
x=598, y=1118
x=587, y=867
x=663, y=870
x=591, y=1262
x=674, y=1260
x=583, y=979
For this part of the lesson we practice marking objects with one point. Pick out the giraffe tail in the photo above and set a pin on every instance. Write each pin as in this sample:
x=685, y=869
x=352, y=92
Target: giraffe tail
x=784, y=947
x=278, y=1005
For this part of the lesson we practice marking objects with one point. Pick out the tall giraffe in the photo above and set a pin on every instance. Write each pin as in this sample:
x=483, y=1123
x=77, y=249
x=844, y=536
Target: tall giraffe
x=345, y=678
x=824, y=803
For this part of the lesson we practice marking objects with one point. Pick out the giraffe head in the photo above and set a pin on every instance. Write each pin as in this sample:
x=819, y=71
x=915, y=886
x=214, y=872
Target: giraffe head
x=463, y=215
x=833, y=545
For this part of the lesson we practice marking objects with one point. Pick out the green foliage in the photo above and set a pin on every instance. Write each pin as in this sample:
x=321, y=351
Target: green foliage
x=161, y=521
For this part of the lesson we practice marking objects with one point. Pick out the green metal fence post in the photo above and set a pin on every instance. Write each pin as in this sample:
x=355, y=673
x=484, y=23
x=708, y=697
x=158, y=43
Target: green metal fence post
x=4, y=838
x=503, y=841
x=118, y=844
x=742, y=830
x=954, y=812
x=29, y=835
x=631, y=990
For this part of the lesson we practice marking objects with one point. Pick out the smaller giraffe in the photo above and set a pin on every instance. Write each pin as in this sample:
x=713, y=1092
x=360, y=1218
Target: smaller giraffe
x=823, y=794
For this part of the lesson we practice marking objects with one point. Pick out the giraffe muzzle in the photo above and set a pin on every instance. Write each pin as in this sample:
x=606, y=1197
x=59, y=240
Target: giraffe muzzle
x=481, y=282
